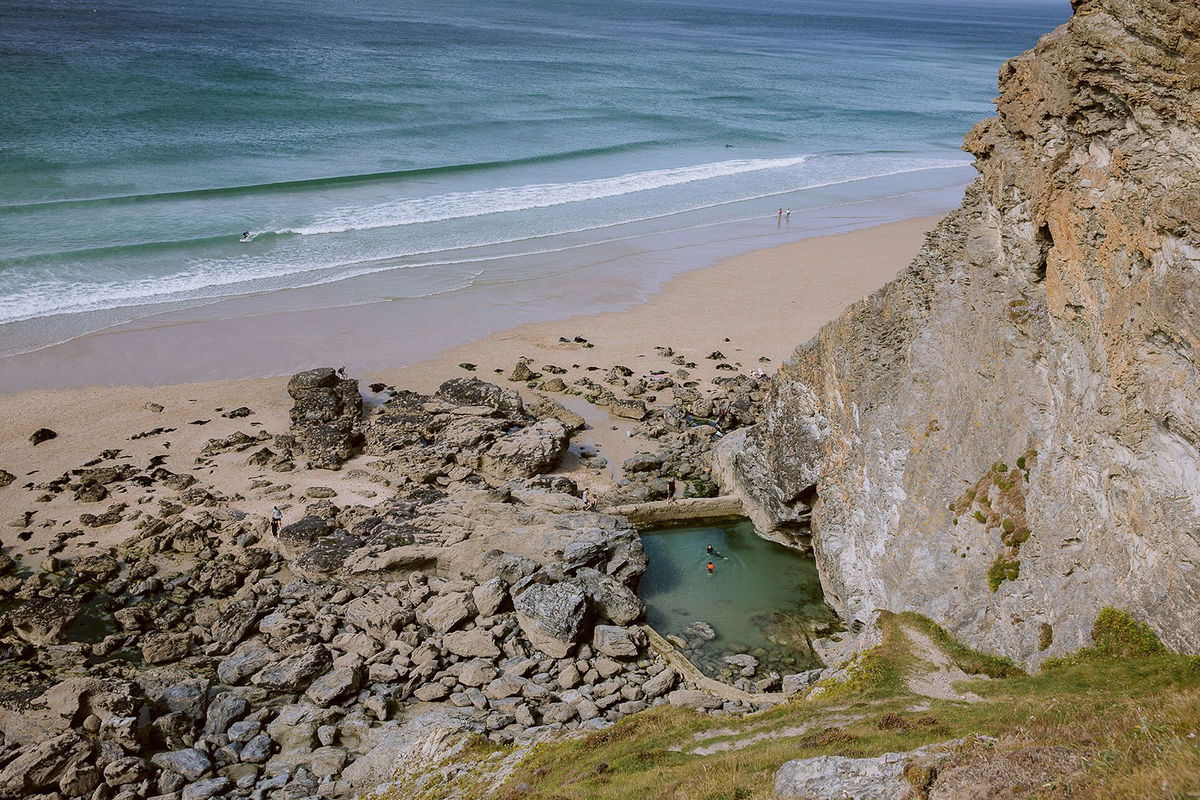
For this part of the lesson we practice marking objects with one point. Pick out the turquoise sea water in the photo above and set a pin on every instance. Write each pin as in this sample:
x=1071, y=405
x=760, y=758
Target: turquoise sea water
x=432, y=143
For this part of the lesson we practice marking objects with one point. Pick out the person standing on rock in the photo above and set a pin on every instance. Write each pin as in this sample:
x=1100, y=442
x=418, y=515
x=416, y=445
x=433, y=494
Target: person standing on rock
x=276, y=518
x=671, y=489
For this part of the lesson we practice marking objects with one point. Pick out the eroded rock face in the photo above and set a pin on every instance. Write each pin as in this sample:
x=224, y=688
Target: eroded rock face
x=1006, y=437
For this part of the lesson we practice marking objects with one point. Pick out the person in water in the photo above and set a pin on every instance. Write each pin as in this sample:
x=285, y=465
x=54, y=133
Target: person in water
x=712, y=568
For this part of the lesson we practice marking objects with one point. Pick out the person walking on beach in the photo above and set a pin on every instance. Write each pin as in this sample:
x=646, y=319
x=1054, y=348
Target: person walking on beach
x=788, y=215
x=276, y=518
x=779, y=215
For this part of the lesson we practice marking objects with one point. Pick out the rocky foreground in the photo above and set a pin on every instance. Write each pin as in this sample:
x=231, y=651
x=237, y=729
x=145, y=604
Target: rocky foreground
x=207, y=655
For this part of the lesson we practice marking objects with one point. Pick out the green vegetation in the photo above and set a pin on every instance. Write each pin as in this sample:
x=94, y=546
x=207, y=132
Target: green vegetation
x=972, y=662
x=701, y=488
x=998, y=500
x=1124, y=709
x=1115, y=636
x=1002, y=570
x=1045, y=637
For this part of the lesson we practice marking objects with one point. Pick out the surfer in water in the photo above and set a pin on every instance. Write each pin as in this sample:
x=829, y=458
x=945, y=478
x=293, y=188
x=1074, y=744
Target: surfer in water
x=246, y=237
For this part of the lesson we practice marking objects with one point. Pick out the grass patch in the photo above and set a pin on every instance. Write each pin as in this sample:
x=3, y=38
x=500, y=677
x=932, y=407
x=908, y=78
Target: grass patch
x=1124, y=709
x=1115, y=635
x=969, y=660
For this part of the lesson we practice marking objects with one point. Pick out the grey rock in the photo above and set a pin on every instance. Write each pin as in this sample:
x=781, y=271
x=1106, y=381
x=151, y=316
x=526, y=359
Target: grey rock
x=244, y=731
x=611, y=598
x=223, y=711
x=660, y=684
x=617, y=642
x=333, y=685
x=294, y=673
x=476, y=643
x=551, y=616
x=248, y=659
x=528, y=452
x=257, y=750
x=489, y=596
x=190, y=763
x=693, y=699
x=837, y=777
x=203, y=790
x=798, y=681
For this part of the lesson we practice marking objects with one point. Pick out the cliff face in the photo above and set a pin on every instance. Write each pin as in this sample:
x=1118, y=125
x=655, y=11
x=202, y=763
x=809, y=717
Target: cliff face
x=1007, y=436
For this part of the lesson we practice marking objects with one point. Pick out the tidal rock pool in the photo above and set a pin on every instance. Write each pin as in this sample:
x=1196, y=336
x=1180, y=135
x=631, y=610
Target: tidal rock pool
x=760, y=599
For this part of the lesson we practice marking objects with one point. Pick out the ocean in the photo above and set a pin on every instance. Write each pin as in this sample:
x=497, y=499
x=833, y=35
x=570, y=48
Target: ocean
x=439, y=147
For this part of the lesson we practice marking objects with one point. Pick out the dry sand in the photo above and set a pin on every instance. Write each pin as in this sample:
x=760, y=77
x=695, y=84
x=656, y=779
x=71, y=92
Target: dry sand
x=753, y=308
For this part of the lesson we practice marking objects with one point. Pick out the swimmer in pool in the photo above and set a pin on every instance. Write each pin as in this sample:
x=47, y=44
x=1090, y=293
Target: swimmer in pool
x=712, y=568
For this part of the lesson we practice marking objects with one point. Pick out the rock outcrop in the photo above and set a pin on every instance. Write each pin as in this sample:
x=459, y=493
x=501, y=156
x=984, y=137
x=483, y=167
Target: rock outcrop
x=1006, y=436
x=326, y=416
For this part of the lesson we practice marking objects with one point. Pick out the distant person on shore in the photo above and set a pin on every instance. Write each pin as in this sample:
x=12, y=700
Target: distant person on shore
x=788, y=215
x=779, y=216
x=276, y=518
x=671, y=489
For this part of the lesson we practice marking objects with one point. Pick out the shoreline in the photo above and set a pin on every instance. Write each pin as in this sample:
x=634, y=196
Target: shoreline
x=774, y=300
x=369, y=325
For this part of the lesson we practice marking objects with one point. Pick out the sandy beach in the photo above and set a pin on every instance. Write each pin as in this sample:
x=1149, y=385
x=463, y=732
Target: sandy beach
x=753, y=309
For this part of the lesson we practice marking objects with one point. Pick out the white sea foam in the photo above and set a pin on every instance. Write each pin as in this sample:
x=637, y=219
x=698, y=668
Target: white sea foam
x=210, y=279
x=457, y=205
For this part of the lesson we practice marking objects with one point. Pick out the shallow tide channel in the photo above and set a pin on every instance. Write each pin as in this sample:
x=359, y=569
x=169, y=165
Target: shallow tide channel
x=760, y=598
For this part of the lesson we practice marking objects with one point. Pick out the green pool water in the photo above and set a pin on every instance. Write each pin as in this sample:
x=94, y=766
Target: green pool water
x=761, y=598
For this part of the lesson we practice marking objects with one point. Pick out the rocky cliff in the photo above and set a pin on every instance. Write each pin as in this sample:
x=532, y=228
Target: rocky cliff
x=1006, y=436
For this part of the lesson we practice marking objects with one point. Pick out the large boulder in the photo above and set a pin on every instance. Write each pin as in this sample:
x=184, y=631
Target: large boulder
x=325, y=416
x=617, y=642
x=528, y=452
x=38, y=766
x=551, y=616
x=448, y=611
x=476, y=643
x=610, y=598
x=837, y=777
x=296, y=672
x=474, y=392
x=378, y=614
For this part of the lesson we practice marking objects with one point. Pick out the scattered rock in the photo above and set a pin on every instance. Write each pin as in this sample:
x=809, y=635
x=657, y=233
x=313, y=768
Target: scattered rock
x=42, y=435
